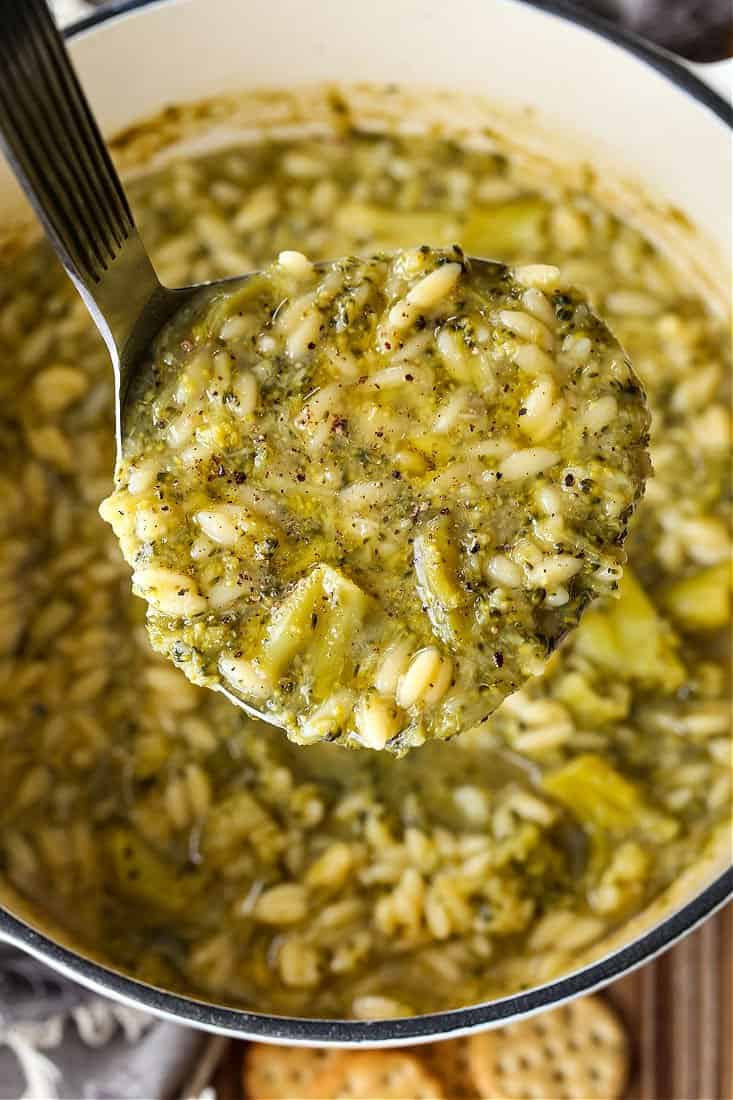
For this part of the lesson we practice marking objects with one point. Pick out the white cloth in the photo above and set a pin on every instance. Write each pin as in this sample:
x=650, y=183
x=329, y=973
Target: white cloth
x=60, y=1042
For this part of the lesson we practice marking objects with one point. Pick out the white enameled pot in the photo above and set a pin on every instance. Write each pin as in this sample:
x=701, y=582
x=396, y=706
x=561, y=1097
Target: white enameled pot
x=639, y=117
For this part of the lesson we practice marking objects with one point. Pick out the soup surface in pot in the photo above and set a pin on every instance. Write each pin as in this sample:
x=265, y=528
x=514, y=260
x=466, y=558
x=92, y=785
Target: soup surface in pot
x=370, y=498
x=202, y=851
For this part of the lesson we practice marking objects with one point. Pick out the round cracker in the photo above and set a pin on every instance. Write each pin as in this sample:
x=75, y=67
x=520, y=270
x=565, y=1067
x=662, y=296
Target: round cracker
x=450, y=1061
x=576, y=1052
x=283, y=1073
x=377, y=1075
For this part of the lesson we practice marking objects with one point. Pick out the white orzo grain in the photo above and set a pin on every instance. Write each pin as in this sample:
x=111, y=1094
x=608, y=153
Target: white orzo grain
x=454, y=408
x=393, y=664
x=198, y=787
x=570, y=228
x=170, y=592
x=88, y=687
x=577, y=348
x=544, y=739
x=373, y=1007
x=426, y=679
x=424, y=295
x=527, y=328
x=52, y=447
x=473, y=802
x=180, y=431
x=298, y=963
x=219, y=524
x=234, y=328
x=543, y=411
x=331, y=715
x=541, y=276
x=142, y=477
x=296, y=264
x=706, y=539
x=538, y=305
x=286, y=903
x=259, y=209
x=600, y=414
x=246, y=392
x=533, y=360
x=57, y=387
x=377, y=721
x=504, y=571
x=528, y=806
x=455, y=354
x=554, y=570
x=245, y=675
x=528, y=463
x=562, y=926
x=331, y=869
x=631, y=303
x=303, y=334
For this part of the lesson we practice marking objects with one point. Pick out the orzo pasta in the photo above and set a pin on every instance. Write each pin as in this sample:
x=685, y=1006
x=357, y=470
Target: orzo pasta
x=370, y=497
x=204, y=852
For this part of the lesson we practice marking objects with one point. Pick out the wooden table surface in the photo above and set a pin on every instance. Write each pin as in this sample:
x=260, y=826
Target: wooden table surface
x=679, y=1015
x=678, y=1012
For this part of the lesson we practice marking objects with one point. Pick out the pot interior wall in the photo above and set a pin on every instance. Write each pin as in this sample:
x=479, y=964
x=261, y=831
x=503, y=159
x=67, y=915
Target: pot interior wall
x=623, y=113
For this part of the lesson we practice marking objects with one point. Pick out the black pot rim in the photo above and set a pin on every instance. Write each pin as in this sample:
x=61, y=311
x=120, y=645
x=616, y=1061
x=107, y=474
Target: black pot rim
x=251, y=1025
x=243, y=1024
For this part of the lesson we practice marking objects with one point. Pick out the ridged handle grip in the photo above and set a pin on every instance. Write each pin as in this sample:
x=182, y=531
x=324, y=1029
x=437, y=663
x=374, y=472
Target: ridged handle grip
x=54, y=144
x=56, y=150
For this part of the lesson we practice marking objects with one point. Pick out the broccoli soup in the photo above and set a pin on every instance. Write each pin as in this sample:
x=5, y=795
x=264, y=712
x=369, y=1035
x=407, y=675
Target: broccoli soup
x=369, y=498
x=201, y=850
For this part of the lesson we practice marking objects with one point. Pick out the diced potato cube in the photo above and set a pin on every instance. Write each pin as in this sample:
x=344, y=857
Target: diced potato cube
x=702, y=601
x=588, y=705
x=629, y=638
x=505, y=228
x=141, y=873
x=604, y=801
x=236, y=821
x=395, y=229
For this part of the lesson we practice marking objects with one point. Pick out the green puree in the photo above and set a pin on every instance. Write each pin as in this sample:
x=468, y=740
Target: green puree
x=368, y=498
